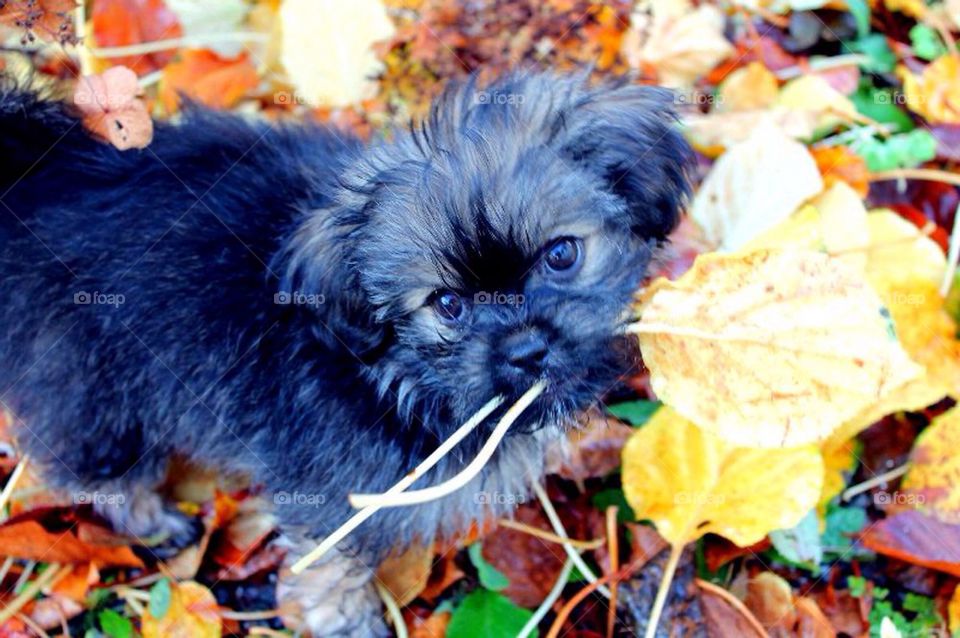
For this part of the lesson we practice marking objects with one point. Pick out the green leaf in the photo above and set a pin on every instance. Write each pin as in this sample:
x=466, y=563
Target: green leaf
x=884, y=107
x=636, y=413
x=160, y=598
x=115, y=625
x=905, y=150
x=926, y=42
x=841, y=523
x=487, y=614
x=881, y=58
x=861, y=13
x=800, y=544
x=605, y=498
x=490, y=576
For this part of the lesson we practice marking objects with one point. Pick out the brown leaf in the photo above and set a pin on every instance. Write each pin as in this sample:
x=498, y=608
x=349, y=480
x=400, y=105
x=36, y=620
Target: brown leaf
x=770, y=598
x=592, y=451
x=111, y=109
x=725, y=616
x=916, y=538
x=405, y=573
x=445, y=573
x=204, y=76
x=29, y=540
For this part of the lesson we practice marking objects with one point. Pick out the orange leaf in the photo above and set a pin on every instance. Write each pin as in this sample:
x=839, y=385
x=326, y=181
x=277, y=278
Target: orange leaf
x=29, y=540
x=49, y=19
x=838, y=163
x=916, y=538
x=125, y=22
x=111, y=109
x=204, y=76
x=193, y=613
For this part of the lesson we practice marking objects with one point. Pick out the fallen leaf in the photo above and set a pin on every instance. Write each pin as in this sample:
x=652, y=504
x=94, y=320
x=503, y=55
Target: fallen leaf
x=916, y=538
x=126, y=22
x=770, y=348
x=934, y=474
x=935, y=93
x=770, y=598
x=726, y=616
x=435, y=626
x=840, y=164
x=839, y=462
x=112, y=110
x=690, y=483
x=751, y=87
x=813, y=93
x=51, y=20
x=327, y=48
x=953, y=611
x=209, y=79
x=753, y=186
x=591, y=451
x=712, y=134
x=193, y=613
x=405, y=573
x=680, y=45
x=29, y=540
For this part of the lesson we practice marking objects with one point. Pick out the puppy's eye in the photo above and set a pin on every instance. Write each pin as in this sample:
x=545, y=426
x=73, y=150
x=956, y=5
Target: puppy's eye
x=563, y=254
x=448, y=305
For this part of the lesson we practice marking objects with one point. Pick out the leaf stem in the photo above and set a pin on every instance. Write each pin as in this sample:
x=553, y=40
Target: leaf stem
x=929, y=174
x=873, y=482
x=676, y=551
x=156, y=46
x=12, y=481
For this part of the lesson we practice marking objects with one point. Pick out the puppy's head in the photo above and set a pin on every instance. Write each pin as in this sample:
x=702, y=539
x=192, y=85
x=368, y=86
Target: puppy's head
x=499, y=243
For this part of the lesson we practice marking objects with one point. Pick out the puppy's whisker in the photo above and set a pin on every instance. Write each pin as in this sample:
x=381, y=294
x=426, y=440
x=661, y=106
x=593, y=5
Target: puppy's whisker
x=396, y=498
x=357, y=519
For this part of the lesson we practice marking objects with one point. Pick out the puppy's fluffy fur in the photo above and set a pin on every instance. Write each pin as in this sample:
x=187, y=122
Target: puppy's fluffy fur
x=189, y=249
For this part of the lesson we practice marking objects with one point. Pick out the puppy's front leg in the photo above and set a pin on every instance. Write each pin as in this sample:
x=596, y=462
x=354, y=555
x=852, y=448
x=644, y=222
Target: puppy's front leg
x=334, y=597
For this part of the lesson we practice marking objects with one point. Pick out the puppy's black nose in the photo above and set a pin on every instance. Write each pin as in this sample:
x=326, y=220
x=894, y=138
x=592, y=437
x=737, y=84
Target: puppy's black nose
x=525, y=348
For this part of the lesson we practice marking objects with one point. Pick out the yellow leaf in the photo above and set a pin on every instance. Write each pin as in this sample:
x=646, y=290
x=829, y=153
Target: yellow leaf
x=837, y=461
x=934, y=475
x=753, y=186
x=935, y=94
x=327, y=48
x=953, y=611
x=813, y=93
x=193, y=613
x=724, y=129
x=835, y=222
x=900, y=251
x=690, y=482
x=770, y=348
x=751, y=87
x=680, y=46
x=913, y=8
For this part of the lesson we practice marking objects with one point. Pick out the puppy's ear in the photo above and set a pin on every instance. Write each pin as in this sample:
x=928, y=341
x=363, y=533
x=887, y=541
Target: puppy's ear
x=320, y=277
x=627, y=135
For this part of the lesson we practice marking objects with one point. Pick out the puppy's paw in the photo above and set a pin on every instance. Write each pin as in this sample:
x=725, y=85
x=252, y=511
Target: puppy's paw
x=150, y=519
x=334, y=598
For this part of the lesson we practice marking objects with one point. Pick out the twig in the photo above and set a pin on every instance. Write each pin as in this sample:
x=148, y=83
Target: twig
x=676, y=551
x=80, y=29
x=53, y=573
x=201, y=40
x=953, y=256
x=393, y=610
x=547, y=536
x=558, y=528
x=823, y=64
x=32, y=624
x=548, y=602
x=734, y=602
x=357, y=519
x=613, y=548
x=929, y=174
x=873, y=482
x=12, y=481
x=459, y=480
x=5, y=568
x=25, y=574
x=265, y=614
x=583, y=593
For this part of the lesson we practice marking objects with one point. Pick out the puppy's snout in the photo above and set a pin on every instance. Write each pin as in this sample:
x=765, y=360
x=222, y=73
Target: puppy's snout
x=526, y=349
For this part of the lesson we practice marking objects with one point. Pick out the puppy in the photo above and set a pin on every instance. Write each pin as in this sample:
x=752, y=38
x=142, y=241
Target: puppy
x=289, y=303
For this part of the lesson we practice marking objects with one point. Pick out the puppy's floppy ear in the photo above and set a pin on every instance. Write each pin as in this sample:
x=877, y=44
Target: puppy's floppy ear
x=319, y=260
x=627, y=135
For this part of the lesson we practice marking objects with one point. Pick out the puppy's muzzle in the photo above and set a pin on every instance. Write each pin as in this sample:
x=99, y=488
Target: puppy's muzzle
x=525, y=349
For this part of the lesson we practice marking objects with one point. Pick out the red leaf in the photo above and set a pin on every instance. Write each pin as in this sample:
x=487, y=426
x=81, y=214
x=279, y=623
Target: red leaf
x=124, y=22
x=111, y=109
x=918, y=539
x=28, y=539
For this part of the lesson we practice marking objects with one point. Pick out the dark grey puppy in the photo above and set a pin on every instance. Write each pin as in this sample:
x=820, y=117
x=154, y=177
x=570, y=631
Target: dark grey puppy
x=319, y=314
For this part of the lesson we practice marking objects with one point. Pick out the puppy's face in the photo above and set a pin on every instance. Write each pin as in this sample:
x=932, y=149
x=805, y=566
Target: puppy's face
x=502, y=243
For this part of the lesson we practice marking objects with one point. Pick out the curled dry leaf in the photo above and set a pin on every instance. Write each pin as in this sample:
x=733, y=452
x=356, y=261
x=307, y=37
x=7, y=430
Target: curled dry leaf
x=916, y=538
x=934, y=475
x=112, y=110
x=690, y=482
x=327, y=48
x=193, y=613
x=753, y=186
x=405, y=573
x=751, y=87
x=770, y=348
x=680, y=44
